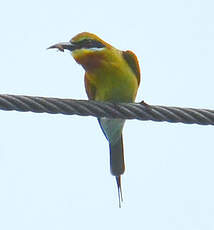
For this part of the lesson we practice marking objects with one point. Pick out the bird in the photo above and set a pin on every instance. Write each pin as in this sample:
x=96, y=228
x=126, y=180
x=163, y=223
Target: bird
x=111, y=75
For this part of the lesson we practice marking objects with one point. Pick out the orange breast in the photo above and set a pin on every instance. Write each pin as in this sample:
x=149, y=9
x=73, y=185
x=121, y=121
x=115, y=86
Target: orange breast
x=90, y=61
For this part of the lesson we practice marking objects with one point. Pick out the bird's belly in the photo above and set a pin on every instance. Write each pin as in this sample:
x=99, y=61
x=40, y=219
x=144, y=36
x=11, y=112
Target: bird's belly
x=116, y=90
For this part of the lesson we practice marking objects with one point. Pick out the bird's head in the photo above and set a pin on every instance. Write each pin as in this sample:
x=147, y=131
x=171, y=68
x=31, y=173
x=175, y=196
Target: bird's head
x=86, y=48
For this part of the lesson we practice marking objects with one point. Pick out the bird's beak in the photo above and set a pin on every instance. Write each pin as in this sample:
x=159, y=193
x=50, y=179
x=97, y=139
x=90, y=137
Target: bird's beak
x=64, y=46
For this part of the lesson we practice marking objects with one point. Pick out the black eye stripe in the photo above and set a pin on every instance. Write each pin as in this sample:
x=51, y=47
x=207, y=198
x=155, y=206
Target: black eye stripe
x=89, y=43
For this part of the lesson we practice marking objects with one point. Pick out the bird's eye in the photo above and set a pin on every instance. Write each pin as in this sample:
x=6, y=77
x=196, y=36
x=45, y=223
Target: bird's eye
x=88, y=42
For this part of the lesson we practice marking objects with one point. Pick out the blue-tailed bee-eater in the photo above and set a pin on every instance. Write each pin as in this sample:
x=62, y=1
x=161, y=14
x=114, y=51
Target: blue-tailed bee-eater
x=111, y=75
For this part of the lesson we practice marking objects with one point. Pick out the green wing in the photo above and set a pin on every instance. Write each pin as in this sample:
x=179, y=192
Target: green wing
x=132, y=61
x=90, y=88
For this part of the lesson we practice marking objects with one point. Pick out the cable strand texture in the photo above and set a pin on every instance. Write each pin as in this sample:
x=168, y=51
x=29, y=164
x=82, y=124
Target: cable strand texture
x=138, y=111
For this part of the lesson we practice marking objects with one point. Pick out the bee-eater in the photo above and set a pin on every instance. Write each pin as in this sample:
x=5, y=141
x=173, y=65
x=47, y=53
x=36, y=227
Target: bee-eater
x=111, y=75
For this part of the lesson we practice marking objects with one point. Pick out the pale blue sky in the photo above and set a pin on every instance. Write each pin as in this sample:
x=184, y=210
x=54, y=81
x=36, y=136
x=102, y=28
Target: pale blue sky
x=54, y=169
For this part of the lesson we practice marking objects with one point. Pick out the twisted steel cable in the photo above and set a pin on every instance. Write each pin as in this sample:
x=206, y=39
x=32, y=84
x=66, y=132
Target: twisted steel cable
x=140, y=111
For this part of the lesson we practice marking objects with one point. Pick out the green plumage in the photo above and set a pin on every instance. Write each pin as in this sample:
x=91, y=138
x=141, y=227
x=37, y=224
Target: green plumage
x=111, y=75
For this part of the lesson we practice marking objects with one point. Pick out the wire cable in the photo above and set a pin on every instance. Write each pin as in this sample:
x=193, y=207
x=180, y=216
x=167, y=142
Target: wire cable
x=140, y=111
